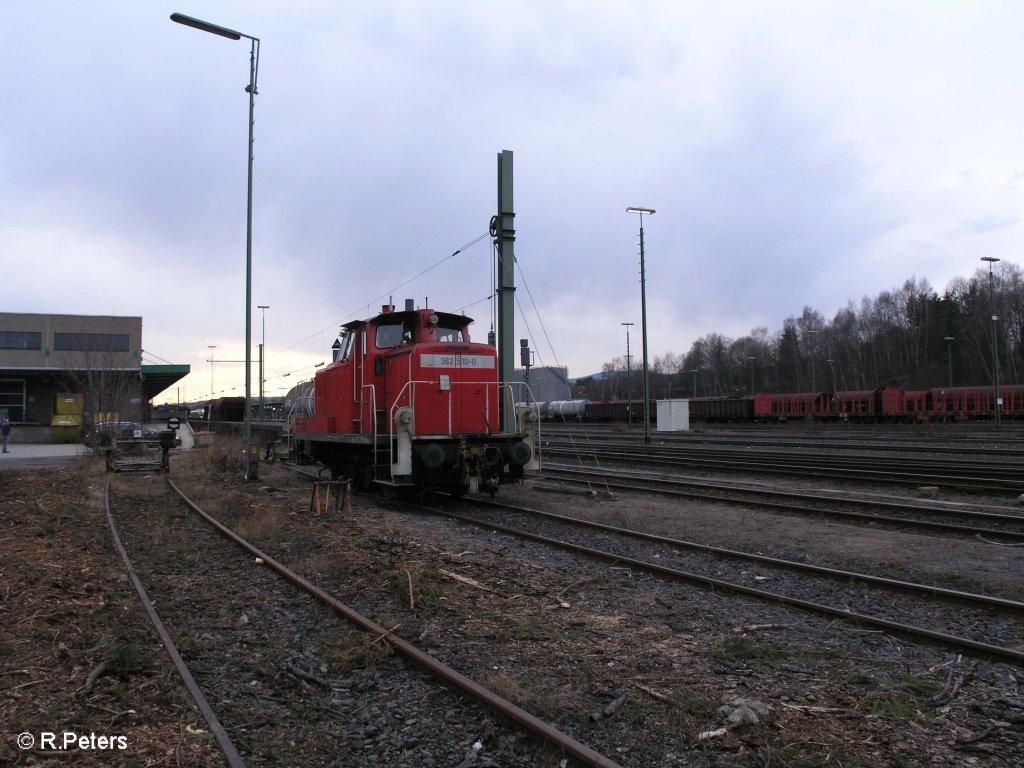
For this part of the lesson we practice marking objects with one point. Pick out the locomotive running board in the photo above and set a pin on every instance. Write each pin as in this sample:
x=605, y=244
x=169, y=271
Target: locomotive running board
x=394, y=483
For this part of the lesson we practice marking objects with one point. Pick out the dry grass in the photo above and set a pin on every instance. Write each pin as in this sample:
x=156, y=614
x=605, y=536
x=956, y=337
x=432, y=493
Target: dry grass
x=352, y=649
x=260, y=525
x=533, y=692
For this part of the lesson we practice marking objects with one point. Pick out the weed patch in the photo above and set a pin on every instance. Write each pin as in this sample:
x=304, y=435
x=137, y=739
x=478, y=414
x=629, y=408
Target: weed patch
x=903, y=699
x=352, y=649
x=743, y=650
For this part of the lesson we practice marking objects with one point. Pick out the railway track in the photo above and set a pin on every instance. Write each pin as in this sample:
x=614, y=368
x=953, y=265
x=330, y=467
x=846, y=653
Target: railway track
x=1004, y=478
x=572, y=629
x=993, y=445
x=958, y=519
x=278, y=690
x=970, y=623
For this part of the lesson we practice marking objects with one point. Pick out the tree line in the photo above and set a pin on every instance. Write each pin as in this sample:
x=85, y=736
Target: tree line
x=910, y=337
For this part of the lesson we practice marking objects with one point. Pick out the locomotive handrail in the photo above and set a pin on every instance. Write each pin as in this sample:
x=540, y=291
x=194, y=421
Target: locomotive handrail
x=373, y=409
x=512, y=404
x=291, y=416
x=411, y=387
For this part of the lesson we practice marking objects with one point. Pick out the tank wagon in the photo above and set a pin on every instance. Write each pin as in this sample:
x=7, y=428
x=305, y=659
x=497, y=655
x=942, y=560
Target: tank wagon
x=410, y=401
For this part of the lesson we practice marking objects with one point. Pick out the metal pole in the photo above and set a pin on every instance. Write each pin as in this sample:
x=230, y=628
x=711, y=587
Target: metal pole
x=212, y=347
x=263, y=348
x=643, y=320
x=503, y=229
x=252, y=456
x=643, y=326
x=629, y=380
x=995, y=350
x=814, y=357
x=251, y=451
x=949, y=358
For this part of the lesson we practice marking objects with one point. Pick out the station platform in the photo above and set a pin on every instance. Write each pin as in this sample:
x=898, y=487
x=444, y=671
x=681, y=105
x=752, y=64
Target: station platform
x=40, y=455
x=54, y=455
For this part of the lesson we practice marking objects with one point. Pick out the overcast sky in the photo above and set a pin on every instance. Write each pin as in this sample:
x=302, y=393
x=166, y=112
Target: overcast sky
x=797, y=153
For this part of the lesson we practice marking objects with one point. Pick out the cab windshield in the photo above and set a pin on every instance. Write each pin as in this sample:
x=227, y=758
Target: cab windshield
x=392, y=335
x=449, y=334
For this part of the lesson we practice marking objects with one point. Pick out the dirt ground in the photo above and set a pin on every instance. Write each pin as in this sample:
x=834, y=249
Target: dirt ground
x=645, y=672
x=78, y=657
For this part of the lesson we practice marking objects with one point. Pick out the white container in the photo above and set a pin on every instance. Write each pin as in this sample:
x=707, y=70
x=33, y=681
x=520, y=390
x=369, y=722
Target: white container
x=673, y=415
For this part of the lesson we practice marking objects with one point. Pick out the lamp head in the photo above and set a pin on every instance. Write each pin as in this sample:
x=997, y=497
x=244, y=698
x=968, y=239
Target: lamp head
x=206, y=26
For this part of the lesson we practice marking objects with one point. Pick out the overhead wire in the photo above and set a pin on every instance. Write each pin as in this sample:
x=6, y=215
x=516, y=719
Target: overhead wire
x=391, y=291
x=554, y=354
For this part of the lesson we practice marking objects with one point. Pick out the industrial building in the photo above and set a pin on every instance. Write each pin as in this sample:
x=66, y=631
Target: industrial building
x=546, y=383
x=61, y=372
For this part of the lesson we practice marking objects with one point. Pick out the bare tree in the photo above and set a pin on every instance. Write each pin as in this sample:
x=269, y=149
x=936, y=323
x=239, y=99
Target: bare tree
x=112, y=391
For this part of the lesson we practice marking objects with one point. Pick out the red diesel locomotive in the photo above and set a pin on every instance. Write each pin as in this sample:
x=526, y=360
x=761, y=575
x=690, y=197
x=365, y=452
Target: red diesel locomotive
x=409, y=401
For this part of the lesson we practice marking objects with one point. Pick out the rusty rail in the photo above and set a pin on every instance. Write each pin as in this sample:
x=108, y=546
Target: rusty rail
x=234, y=760
x=580, y=753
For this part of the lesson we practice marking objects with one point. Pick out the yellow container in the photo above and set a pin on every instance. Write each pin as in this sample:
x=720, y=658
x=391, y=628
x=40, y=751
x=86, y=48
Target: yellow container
x=66, y=429
x=70, y=404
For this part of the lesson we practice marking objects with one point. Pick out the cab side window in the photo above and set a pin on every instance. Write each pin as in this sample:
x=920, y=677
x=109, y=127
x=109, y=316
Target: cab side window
x=392, y=335
x=346, y=346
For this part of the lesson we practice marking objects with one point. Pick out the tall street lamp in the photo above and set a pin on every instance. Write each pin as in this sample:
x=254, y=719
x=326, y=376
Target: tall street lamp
x=814, y=355
x=212, y=347
x=629, y=379
x=263, y=351
x=643, y=318
x=949, y=358
x=251, y=451
x=995, y=350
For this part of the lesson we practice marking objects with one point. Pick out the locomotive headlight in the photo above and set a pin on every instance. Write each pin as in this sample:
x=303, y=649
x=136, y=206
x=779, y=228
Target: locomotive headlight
x=432, y=456
x=404, y=416
x=520, y=453
x=433, y=319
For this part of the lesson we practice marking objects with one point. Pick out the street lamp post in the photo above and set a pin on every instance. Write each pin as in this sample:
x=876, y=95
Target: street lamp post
x=949, y=358
x=263, y=351
x=751, y=359
x=643, y=318
x=695, y=371
x=251, y=450
x=211, y=347
x=629, y=379
x=814, y=355
x=995, y=350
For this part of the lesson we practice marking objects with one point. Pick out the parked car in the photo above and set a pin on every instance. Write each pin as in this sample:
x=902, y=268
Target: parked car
x=119, y=430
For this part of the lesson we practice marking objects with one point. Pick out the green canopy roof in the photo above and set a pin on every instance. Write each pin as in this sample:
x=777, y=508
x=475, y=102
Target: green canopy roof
x=157, y=378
